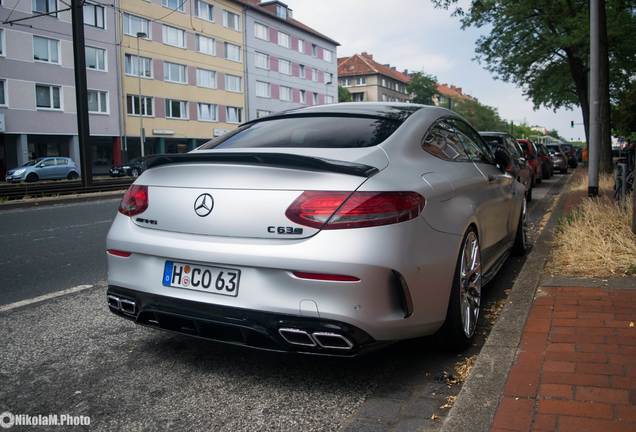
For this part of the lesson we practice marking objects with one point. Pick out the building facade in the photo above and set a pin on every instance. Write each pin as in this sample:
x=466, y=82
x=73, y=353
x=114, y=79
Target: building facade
x=370, y=81
x=289, y=65
x=37, y=90
x=182, y=74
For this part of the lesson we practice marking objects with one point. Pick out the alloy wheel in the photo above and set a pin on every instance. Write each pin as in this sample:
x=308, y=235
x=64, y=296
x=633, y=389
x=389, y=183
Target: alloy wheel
x=524, y=224
x=470, y=284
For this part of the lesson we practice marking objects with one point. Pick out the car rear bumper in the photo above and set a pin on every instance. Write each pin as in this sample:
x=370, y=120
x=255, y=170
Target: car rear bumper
x=236, y=326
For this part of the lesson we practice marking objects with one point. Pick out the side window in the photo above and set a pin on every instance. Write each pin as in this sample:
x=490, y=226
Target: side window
x=443, y=142
x=513, y=148
x=475, y=147
x=48, y=162
x=61, y=161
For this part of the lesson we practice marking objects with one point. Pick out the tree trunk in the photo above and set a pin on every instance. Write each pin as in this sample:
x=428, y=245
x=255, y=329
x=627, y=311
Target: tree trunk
x=578, y=71
x=605, y=147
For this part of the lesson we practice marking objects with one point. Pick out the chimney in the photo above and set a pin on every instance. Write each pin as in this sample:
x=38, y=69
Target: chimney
x=393, y=68
x=406, y=72
x=367, y=55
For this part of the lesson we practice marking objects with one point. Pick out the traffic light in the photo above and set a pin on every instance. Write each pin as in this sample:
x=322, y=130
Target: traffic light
x=571, y=123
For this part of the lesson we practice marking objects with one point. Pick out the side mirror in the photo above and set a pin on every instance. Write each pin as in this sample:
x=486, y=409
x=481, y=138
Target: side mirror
x=503, y=160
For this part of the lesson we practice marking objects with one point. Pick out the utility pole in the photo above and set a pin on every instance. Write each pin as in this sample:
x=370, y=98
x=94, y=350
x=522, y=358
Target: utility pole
x=81, y=91
x=595, y=92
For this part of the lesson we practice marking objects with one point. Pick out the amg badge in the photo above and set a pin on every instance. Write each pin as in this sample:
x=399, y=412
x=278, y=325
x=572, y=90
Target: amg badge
x=284, y=230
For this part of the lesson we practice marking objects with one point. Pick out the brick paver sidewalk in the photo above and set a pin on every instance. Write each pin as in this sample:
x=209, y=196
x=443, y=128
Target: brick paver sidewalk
x=576, y=365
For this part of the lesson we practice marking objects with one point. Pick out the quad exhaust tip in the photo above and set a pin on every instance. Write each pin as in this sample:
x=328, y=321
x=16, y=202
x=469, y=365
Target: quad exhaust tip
x=325, y=340
x=124, y=305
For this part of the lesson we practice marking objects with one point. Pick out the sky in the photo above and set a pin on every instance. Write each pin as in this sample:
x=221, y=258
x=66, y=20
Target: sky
x=413, y=35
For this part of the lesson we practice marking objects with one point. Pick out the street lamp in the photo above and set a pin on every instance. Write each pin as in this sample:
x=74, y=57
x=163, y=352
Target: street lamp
x=142, y=138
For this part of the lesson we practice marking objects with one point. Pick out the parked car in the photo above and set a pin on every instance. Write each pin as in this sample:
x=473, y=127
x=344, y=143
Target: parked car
x=531, y=154
x=546, y=163
x=569, y=151
x=48, y=168
x=559, y=158
x=330, y=229
x=520, y=168
x=133, y=168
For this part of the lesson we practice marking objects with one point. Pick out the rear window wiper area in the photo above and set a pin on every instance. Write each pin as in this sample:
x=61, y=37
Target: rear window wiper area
x=281, y=160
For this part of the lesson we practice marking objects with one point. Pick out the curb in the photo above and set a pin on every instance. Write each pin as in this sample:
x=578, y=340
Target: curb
x=64, y=199
x=477, y=402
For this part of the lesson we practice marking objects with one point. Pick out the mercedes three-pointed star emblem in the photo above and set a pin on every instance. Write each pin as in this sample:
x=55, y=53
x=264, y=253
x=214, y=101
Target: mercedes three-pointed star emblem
x=203, y=205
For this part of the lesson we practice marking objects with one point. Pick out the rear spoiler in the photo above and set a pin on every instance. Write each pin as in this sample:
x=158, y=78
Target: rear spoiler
x=282, y=160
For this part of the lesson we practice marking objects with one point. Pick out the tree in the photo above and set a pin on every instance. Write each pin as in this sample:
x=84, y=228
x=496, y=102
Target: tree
x=624, y=115
x=344, y=95
x=423, y=87
x=481, y=117
x=543, y=46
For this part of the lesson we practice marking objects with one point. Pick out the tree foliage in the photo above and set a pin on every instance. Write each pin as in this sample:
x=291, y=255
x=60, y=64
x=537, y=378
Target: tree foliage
x=344, y=95
x=423, y=87
x=625, y=113
x=481, y=117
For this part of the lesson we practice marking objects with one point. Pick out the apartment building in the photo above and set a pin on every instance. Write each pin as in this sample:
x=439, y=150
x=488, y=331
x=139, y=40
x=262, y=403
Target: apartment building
x=37, y=90
x=448, y=94
x=289, y=64
x=368, y=80
x=183, y=72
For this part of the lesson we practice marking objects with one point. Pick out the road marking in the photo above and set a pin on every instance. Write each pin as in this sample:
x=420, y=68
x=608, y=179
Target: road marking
x=21, y=303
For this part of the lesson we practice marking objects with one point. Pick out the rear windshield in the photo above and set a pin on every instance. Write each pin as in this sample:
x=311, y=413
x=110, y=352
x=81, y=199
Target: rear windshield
x=493, y=141
x=310, y=132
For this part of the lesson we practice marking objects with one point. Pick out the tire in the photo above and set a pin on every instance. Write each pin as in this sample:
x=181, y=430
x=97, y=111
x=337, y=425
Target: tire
x=539, y=179
x=529, y=194
x=32, y=177
x=72, y=175
x=520, y=246
x=564, y=170
x=457, y=333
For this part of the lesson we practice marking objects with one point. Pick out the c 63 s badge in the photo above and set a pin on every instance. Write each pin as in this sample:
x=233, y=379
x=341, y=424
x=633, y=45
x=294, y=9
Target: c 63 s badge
x=284, y=230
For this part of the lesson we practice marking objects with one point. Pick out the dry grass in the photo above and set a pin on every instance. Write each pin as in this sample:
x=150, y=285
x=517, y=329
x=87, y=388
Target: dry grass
x=595, y=239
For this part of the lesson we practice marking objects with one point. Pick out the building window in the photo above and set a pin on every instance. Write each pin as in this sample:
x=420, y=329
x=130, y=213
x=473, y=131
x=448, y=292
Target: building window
x=284, y=66
x=205, y=10
x=206, y=112
x=302, y=71
x=283, y=40
x=173, y=36
x=95, y=58
x=314, y=74
x=281, y=11
x=303, y=98
x=176, y=109
x=3, y=96
x=327, y=55
x=301, y=46
x=97, y=101
x=361, y=81
x=261, y=60
x=261, y=31
x=314, y=50
x=47, y=96
x=94, y=15
x=314, y=99
x=232, y=52
x=232, y=83
x=345, y=82
x=134, y=24
x=173, y=4
x=133, y=108
x=206, y=78
x=383, y=82
x=138, y=66
x=231, y=20
x=328, y=78
x=262, y=113
x=46, y=50
x=174, y=72
x=285, y=93
x=44, y=7
x=2, y=42
x=206, y=45
x=357, y=97
x=329, y=99
x=233, y=114
x=263, y=89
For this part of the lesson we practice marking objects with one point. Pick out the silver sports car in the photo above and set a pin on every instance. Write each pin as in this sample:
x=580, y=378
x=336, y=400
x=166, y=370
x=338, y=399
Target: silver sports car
x=327, y=230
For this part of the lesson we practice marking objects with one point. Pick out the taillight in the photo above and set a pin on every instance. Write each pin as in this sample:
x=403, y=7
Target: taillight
x=340, y=210
x=325, y=277
x=119, y=253
x=135, y=200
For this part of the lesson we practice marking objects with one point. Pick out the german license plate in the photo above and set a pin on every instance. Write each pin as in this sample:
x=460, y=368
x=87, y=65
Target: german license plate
x=217, y=280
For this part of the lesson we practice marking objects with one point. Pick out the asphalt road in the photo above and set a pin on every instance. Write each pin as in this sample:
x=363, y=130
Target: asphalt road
x=51, y=248
x=71, y=355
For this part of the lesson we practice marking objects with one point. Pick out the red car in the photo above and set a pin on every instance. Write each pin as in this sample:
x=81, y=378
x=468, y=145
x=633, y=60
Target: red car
x=534, y=160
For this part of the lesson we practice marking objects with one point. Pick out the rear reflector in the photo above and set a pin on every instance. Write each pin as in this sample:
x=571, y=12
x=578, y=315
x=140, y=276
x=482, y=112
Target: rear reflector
x=325, y=277
x=118, y=253
x=340, y=210
x=135, y=200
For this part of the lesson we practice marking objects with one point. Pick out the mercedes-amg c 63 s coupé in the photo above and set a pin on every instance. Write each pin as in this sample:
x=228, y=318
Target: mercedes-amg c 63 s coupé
x=326, y=230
